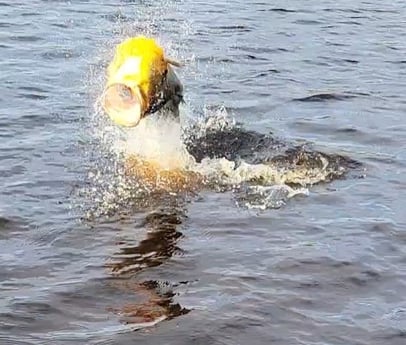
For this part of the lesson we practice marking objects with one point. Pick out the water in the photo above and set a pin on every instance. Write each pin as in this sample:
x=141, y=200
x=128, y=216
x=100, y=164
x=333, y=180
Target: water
x=88, y=258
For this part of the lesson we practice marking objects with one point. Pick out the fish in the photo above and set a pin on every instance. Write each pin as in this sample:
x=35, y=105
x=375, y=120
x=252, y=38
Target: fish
x=141, y=81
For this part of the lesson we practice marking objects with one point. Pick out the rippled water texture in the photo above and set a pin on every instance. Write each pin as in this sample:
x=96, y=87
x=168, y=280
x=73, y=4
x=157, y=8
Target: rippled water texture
x=87, y=257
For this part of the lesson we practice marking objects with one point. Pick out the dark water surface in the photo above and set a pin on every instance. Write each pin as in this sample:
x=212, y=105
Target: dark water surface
x=328, y=268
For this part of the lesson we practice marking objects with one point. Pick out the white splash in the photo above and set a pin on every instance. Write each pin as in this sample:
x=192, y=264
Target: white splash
x=158, y=139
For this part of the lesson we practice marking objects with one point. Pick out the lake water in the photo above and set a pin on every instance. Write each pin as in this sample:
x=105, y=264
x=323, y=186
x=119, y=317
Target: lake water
x=82, y=264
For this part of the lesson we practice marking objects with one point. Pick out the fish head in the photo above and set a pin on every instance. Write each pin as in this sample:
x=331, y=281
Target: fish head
x=134, y=78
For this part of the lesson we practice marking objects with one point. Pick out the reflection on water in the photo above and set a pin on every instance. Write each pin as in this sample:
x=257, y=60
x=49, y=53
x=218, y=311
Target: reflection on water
x=159, y=246
x=161, y=243
x=155, y=305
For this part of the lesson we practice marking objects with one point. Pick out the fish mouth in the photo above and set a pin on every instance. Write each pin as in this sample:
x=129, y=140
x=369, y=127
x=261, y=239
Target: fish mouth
x=124, y=104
